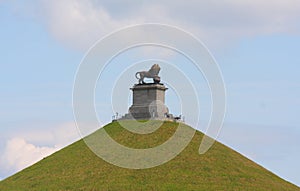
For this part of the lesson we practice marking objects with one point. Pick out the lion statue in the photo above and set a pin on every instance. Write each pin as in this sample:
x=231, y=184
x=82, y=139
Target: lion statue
x=152, y=73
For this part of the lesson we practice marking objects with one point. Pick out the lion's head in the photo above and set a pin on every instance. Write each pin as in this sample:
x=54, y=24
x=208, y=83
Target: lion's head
x=154, y=69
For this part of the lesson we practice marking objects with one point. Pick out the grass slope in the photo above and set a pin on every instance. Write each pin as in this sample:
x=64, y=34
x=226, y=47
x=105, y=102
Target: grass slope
x=77, y=168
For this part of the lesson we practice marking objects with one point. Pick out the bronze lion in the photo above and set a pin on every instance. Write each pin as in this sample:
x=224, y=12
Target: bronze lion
x=152, y=73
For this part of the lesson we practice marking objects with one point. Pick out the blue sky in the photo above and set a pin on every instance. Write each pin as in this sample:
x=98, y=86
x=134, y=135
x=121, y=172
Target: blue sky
x=255, y=43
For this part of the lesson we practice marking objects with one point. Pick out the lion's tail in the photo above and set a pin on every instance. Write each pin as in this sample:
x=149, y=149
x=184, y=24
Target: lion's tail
x=136, y=75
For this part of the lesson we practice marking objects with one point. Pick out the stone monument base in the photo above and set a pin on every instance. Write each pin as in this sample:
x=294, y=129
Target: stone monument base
x=148, y=102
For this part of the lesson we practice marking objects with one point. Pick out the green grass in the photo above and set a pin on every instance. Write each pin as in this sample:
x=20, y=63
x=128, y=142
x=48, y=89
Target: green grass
x=77, y=168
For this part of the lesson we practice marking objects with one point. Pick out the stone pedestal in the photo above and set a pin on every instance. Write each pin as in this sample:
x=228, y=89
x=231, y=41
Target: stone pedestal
x=148, y=101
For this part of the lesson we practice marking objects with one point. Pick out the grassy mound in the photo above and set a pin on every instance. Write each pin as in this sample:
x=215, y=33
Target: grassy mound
x=76, y=167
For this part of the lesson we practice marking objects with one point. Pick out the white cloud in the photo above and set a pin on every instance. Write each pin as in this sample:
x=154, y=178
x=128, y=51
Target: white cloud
x=82, y=23
x=79, y=24
x=58, y=135
x=222, y=23
x=28, y=147
x=19, y=154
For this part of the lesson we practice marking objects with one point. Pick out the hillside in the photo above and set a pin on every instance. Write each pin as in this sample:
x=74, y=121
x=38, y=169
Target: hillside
x=77, y=168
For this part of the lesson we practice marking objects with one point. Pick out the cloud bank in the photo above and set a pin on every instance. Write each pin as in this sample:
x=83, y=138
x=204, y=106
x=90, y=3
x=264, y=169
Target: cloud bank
x=79, y=24
x=26, y=148
x=19, y=154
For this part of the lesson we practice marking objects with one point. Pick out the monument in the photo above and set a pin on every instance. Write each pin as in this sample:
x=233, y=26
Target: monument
x=148, y=98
